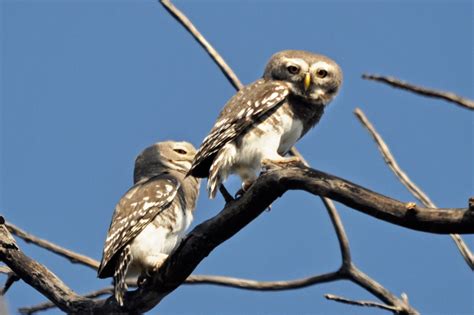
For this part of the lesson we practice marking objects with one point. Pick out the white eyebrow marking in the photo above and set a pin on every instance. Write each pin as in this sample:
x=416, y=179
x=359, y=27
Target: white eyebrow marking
x=296, y=61
x=321, y=64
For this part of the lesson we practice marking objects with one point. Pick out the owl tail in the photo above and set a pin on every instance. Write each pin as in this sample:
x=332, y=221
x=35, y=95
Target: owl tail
x=213, y=183
x=120, y=284
x=219, y=170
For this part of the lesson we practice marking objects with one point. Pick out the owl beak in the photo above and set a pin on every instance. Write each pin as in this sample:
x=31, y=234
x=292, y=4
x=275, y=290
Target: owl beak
x=307, y=81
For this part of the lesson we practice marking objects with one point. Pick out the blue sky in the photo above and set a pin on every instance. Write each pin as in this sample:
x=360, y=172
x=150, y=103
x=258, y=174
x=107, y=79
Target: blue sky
x=85, y=85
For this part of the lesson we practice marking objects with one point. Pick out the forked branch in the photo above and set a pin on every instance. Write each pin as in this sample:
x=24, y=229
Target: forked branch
x=408, y=183
x=235, y=216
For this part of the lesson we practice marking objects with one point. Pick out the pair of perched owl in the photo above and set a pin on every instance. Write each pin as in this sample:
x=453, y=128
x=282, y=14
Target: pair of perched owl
x=256, y=128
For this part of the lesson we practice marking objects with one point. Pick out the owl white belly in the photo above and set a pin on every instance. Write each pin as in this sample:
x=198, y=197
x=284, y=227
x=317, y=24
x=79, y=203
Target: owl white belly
x=155, y=242
x=270, y=141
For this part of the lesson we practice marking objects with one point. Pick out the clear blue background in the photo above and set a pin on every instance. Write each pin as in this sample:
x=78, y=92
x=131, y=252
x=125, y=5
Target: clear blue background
x=87, y=84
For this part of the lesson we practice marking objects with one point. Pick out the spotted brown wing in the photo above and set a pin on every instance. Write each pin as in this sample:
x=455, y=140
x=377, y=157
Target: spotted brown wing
x=242, y=110
x=137, y=208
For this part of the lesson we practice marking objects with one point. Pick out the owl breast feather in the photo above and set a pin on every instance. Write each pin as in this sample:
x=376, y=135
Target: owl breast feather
x=270, y=138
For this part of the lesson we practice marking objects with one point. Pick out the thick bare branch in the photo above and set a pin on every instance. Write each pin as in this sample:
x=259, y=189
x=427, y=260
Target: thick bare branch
x=236, y=215
x=61, y=251
x=447, y=96
x=210, y=234
x=408, y=183
x=343, y=242
x=347, y=271
x=441, y=221
x=36, y=275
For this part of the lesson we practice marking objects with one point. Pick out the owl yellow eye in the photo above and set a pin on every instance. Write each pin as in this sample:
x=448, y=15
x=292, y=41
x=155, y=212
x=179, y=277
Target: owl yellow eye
x=321, y=73
x=180, y=151
x=293, y=69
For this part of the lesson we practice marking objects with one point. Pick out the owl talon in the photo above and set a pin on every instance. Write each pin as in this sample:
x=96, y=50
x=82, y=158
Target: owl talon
x=142, y=280
x=246, y=184
x=239, y=193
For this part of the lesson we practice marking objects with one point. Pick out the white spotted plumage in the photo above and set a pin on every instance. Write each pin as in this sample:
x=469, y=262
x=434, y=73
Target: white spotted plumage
x=151, y=217
x=266, y=118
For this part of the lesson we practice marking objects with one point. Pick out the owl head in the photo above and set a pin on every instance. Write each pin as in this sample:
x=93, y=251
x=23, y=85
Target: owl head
x=163, y=156
x=315, y=78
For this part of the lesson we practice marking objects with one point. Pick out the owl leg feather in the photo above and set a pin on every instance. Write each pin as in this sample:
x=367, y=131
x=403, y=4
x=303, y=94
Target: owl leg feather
x=120, y=284
x=154, y=263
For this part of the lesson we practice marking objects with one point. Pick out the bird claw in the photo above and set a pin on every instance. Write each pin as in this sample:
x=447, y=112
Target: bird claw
x=142, y=280
x=239, y=193
x=245, y=186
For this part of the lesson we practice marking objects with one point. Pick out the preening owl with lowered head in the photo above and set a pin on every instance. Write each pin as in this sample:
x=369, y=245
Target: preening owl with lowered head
x=260, y=123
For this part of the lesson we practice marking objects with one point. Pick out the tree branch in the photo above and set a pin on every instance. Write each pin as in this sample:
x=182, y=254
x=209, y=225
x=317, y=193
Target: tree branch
x=361, y=303
x=447, y=96
x=36, y=275
x=184, y=21
x=208, y=235
x=235, y=216
x=48, y=305
x=61, y=251
x=12, y=278
x=408, y=183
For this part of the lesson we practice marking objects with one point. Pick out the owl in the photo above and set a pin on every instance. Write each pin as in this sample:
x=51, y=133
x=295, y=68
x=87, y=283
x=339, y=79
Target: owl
x=152, y=216
x=261, y=123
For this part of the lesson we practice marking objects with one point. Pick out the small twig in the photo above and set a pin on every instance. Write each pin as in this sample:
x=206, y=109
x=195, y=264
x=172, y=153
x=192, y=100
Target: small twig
x=350, y=272
x=390, y=160
x=225, y=193
x=61, y=251
x=408, y=183
x=447, y=96
x=362, y=303
x=184, y=21
x=340, y=232
x=12, y=278
x=49, y=305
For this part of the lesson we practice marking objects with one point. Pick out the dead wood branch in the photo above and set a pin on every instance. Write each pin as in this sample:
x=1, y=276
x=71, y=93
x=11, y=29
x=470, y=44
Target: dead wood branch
x=36, y=275
x=61, y=251
x=235, y=216
x=408, y=183
x=360, y=303
x=184, y=21
x=204, y=238
x=447, y=96
x=49, y=305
